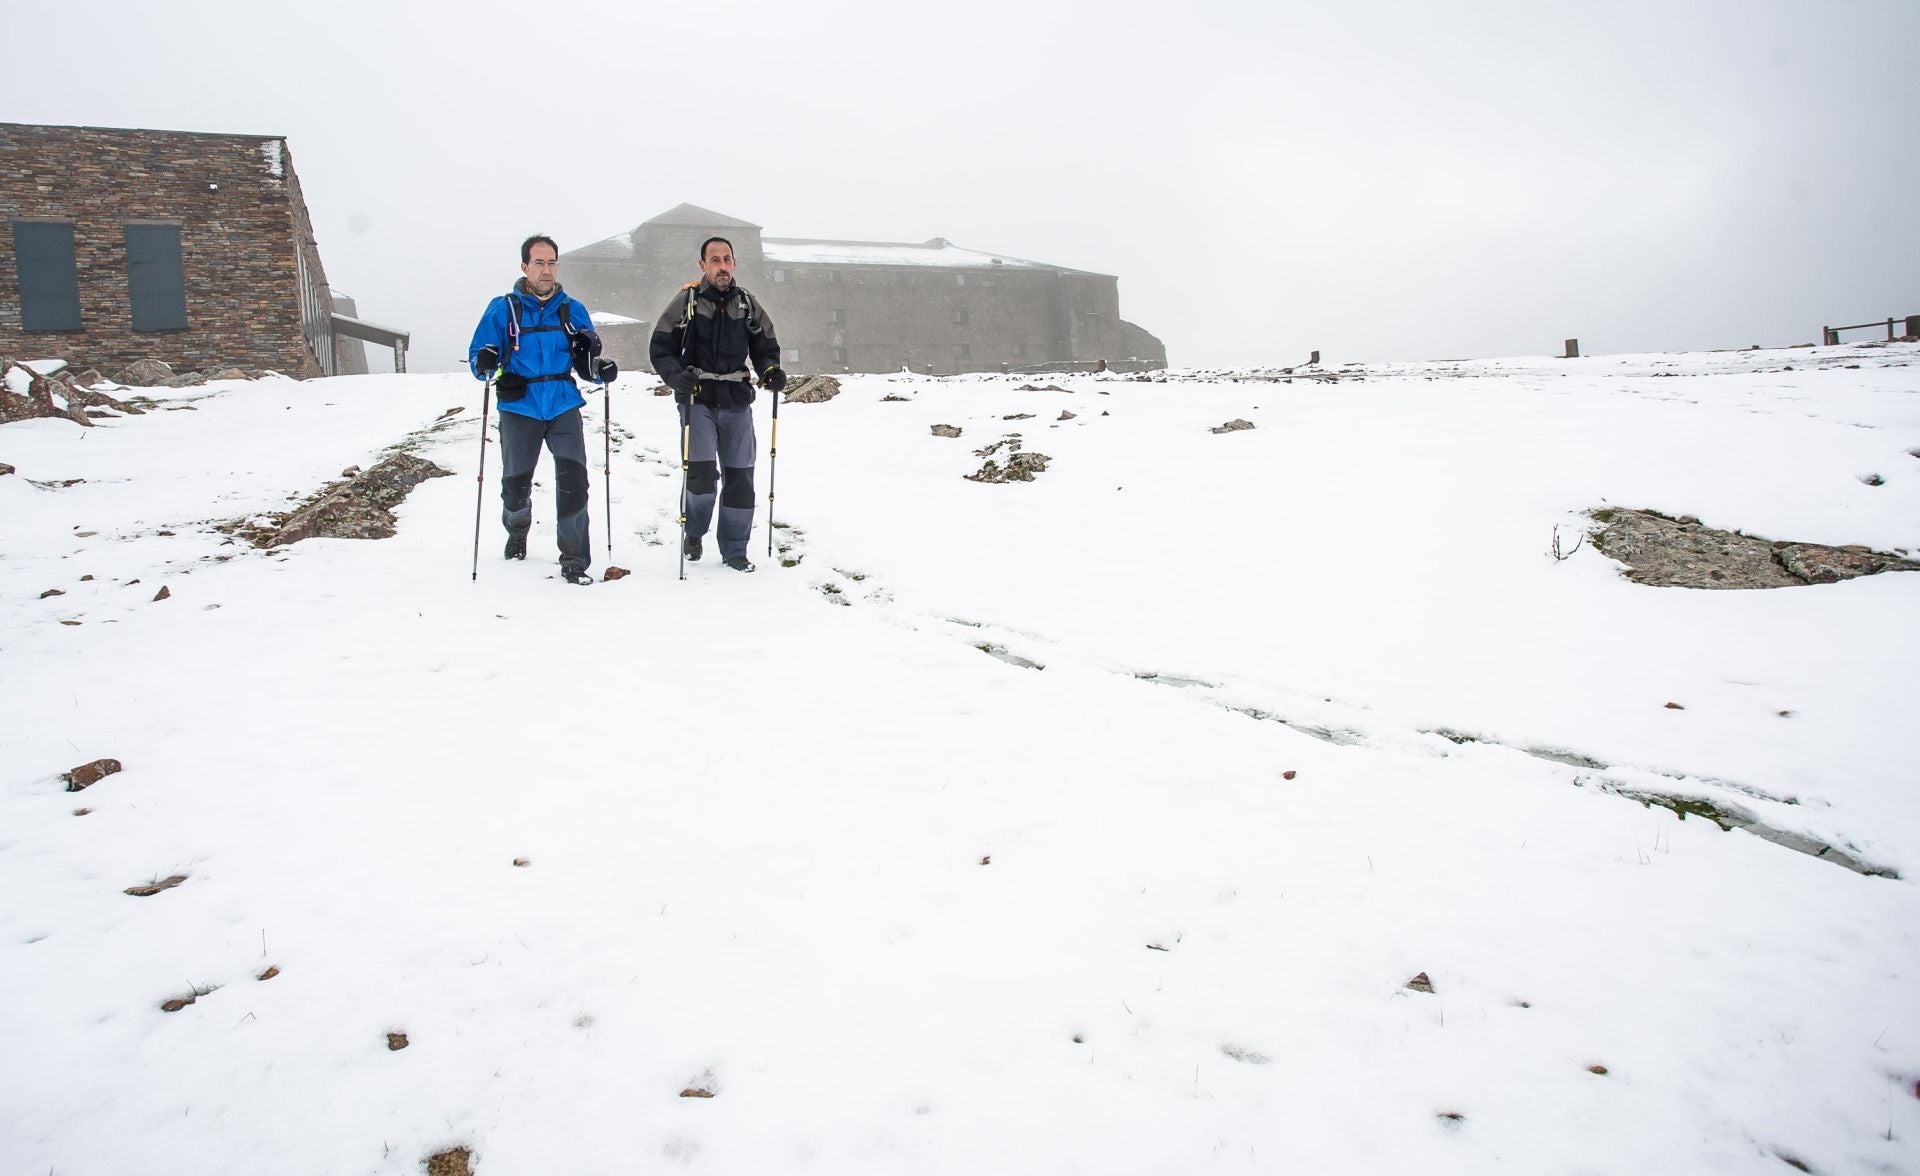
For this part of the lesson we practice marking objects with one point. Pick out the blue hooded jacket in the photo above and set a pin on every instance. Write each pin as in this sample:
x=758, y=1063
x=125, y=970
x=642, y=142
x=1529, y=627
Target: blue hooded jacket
x=541, y=355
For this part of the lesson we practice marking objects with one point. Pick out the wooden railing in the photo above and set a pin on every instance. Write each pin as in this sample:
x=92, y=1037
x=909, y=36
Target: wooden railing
x=1830, y=336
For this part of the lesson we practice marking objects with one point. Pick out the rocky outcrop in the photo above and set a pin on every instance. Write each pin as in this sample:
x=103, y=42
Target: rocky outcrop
x=55, y=394
x=1019, y=466
x=810, y=390
x=146, y=373
x=1684, y=553
x=360, y=507
x=1233, y=426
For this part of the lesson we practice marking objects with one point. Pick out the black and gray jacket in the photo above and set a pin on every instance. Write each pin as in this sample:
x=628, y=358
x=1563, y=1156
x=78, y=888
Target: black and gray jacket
x=719, y=334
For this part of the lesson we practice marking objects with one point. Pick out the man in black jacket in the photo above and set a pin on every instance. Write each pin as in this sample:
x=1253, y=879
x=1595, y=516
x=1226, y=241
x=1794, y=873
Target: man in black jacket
x=707, y=345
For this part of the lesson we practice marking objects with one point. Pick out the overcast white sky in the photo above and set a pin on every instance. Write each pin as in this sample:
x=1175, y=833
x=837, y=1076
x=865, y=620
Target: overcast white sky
x=1384, y=179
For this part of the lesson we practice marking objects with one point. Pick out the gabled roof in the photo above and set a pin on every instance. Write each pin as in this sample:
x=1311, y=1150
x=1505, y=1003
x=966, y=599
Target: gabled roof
x=618, y=247
x=698, y=217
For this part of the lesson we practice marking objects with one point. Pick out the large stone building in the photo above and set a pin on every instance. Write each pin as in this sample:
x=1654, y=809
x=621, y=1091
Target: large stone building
x=869, y=306
x=195, y=249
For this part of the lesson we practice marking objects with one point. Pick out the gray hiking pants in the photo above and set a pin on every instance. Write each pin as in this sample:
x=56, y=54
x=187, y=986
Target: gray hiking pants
x=520, y=440
x=720, y=451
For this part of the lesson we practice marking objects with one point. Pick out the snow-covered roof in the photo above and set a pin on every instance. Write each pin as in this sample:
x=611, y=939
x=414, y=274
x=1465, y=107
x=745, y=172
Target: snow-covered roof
x=618, y=247
x=937, y=252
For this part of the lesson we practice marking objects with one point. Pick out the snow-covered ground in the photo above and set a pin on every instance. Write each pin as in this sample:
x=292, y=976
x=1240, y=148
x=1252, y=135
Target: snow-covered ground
x=1093, y=824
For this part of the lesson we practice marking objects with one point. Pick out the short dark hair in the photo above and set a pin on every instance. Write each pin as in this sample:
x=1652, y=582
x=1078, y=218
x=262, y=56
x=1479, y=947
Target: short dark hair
x=711, y=240
x=526, y=247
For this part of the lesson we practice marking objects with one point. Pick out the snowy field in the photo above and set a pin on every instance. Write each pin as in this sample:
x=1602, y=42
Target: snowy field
x=1095, y=824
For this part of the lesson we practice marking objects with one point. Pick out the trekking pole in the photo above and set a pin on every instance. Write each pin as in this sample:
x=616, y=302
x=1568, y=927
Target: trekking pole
x=686, y=437
x=606, y=467
x=773, y=453
x=480, y=492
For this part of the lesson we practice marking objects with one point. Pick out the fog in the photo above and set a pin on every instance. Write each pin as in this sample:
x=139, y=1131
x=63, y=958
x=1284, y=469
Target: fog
x=1384, y=180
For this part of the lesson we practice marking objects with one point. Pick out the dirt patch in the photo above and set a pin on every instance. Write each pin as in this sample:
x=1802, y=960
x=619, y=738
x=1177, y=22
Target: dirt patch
x=360, y=507
x=1684, y=553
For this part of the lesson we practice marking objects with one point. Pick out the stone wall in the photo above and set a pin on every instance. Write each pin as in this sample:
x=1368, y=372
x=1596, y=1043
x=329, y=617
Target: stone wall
x=244, y=234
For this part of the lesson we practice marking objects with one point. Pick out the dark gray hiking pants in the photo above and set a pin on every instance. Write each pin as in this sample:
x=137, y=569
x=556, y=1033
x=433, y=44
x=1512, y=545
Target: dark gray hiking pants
x=520, y=441
x=720, y=455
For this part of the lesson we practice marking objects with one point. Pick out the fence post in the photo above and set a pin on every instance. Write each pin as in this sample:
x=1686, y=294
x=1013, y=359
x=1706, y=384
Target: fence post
x=1829, y=337
x=1889, y=330
x=1913, y=325
x=1573, y=349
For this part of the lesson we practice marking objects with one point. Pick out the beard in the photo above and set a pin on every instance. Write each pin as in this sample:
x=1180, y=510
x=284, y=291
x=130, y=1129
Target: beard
x=721, y=281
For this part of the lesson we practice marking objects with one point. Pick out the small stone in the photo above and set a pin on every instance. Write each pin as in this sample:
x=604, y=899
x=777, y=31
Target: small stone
x=176, y=1004
x=84, y=579
x=6, y=469
x=352, y=471
x=166, y=533
x=269, y=974
x=1675, y=706
x=946, y=431
x=1017, y=416
x=396, y=1041
x=1596, y=1069
x=986, y=860
x=85, y=534
x=523, y=863
x=89, y=774
x=81, y=812
x=1066, y=416
x=1288, y=774
x=69, y=622
x=52, y=592
x=696, y=1092
x=1233, y=426
x=616, y=574
x=1420, y=983
x=454, y=411
x=162, y=594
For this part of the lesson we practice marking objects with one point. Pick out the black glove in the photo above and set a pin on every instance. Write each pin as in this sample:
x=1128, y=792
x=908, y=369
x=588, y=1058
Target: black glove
x=585, y=347
x=510, y=385
x=774, y=379
x=684, y=386
x=605, y=371
x=487, y=360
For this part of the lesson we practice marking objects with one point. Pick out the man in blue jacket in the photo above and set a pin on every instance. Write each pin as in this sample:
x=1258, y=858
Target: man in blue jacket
x=531, y=341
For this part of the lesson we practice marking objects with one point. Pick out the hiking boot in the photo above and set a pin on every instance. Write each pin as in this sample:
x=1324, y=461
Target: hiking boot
x=516, y=546
x=739, y=563
x=574, y=572
x=692, y=548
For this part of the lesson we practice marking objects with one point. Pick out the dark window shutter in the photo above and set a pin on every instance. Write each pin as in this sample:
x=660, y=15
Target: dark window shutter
x=49, y=284
x=156, y=281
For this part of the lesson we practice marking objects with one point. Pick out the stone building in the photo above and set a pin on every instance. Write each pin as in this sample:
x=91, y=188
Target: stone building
x=869, y=306
x=195, y=249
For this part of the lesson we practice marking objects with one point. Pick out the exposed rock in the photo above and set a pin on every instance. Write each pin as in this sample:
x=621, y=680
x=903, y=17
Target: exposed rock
x=1233, y=426
x=91, y=377
x=162, y=594
x=946, y=431
x=452, y=1162
x=270, y=973
x=177, y=1003
x=38, y=402
x=359, y=508
x=1420, y=983
x=77, y=395
x=1684, y=553
x=185, y=380
x=6, y=469
x=1066, y=416
x=228, y=374
x=1018, y=416
x=89, y=774
x=153, y=888
x=53, y=592
x=1020, y=467
x=146, y=373
x=1042, y=388
x=396, y=1041
x=810, y=390
x=615, y=574
x=896, y=399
